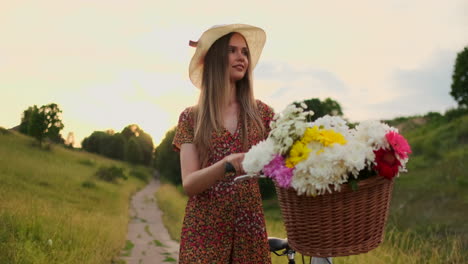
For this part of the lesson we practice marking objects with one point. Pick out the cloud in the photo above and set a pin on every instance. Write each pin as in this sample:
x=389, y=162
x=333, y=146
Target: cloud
x=280, y=83
x=422, y=89
x=289, y=74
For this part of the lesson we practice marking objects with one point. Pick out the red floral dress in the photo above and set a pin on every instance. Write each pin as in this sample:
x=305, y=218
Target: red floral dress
x=225, y=223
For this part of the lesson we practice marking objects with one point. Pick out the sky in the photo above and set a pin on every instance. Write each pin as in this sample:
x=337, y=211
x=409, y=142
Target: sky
x=111, y=63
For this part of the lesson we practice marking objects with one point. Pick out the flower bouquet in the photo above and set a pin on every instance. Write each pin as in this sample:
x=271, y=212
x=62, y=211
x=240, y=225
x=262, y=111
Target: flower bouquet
x=333, y=182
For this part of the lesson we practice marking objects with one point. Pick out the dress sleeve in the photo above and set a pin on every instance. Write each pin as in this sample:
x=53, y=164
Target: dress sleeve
x=185, y=129
x=267, y=113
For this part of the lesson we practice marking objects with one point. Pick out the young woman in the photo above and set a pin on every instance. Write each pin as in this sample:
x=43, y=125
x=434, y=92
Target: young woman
x=224, y=221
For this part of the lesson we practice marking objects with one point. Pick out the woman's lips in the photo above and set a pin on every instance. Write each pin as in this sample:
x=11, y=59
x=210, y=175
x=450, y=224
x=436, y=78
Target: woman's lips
x=239, y=67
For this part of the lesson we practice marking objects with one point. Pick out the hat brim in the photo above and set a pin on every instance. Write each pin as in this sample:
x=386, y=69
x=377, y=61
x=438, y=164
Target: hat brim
x=254, y=36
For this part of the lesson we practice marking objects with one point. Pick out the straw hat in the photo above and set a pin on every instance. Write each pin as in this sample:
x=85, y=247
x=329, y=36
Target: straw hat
x=254, y=36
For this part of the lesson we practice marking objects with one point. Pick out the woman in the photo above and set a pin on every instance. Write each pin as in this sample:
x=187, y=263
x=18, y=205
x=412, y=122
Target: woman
x=224, y=221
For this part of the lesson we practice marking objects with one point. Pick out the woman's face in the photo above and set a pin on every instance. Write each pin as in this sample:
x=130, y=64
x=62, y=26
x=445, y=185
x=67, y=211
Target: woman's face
x=238, y=57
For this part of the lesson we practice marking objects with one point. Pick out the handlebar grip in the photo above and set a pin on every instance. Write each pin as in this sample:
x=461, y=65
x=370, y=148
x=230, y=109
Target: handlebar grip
x=228, y=167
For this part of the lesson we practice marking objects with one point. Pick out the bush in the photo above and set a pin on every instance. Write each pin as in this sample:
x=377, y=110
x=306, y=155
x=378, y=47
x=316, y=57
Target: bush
x=88, y=184
x=111, y=174
x=87, y=162
x=455, y=113
x=434, y=117
x=140, y=175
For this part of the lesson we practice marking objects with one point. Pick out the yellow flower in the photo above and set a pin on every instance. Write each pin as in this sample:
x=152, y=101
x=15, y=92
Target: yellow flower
x=329, y=137
x=310, y=134
x=324, y=136
x=299, y=150
x=298, y=153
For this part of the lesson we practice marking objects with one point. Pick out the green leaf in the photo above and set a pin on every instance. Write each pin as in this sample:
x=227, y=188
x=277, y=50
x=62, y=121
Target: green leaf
x=354, y=184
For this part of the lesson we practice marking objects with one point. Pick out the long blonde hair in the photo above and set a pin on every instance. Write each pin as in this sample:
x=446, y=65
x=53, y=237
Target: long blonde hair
x=214, y=95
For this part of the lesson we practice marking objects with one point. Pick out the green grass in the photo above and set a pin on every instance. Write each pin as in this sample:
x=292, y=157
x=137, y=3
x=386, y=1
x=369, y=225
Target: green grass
x=429, y=207
x=432, y=198
x=53, y=209
x=127, y=250
x=169, y=259
x=158, y=243
x=398, y=247
x=172, y=202
x=148, y=231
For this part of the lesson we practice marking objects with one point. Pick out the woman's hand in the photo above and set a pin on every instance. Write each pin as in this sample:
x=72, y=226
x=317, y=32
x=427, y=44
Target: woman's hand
x=196, y=179
x=236, y=161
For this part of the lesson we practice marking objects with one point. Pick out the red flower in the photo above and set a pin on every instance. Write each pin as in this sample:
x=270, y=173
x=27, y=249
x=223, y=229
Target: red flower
x=387, y=165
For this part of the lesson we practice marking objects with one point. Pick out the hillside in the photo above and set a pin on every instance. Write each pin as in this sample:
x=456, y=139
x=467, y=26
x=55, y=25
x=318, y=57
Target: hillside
x=427, y=222
x=432, y=198
x=53, y=207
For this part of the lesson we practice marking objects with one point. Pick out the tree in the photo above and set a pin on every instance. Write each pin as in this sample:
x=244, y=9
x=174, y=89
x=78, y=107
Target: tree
x=146, y=144
x=460, y=79
x=167, y=161
x=132, y=144
x=37, y=125
x=134, y=154
x=117, y=147
x=24, y=125
x=132, y=130
x=54, y=122
x=94, y=142
x=105, y=143
x=144, y=141
x=327, y=107
x=43, y=122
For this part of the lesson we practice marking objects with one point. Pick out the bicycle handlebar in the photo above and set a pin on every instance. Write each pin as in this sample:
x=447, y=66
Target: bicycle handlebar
x=228, y=167
x=248, y=176
x=277, y=244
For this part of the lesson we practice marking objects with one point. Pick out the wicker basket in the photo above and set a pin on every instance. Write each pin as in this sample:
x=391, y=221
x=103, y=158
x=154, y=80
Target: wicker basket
x=338, y=224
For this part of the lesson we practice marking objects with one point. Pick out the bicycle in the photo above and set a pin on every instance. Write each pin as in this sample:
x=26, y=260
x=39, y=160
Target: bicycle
x=278, y=244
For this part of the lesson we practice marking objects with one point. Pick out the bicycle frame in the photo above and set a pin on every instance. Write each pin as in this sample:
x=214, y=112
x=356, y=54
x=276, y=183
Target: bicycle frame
x=278, y=244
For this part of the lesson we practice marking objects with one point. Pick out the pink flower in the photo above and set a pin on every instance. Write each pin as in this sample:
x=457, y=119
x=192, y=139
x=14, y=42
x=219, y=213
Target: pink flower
x=279, y=172
x=398, y=144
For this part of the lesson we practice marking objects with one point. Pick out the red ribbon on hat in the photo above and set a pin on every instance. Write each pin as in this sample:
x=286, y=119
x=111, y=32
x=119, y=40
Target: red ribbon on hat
x=193, y=43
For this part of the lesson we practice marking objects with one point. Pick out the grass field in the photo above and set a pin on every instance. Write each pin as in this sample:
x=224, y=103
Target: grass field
x=398, y=247
x=432, y=198
x=53, y=209
x=429, y=208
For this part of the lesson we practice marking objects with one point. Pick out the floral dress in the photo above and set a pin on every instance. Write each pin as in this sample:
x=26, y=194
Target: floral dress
x=225, y=223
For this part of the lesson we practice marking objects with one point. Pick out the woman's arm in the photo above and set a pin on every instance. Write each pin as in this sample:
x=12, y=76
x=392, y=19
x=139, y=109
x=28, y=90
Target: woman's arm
x=196, y=180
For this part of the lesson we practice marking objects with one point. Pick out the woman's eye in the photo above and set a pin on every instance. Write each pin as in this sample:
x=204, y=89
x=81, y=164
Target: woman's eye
x=245, y=52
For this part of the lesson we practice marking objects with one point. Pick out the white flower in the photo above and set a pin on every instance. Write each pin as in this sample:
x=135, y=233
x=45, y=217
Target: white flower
x=357, y=156
x=335, y=123
x=258, y=156
x=320, y=170
x=326, y=167
x=288, y=126
x=373, y=133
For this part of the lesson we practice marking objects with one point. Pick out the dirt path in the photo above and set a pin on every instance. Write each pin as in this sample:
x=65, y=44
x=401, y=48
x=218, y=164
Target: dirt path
x=148, y=241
